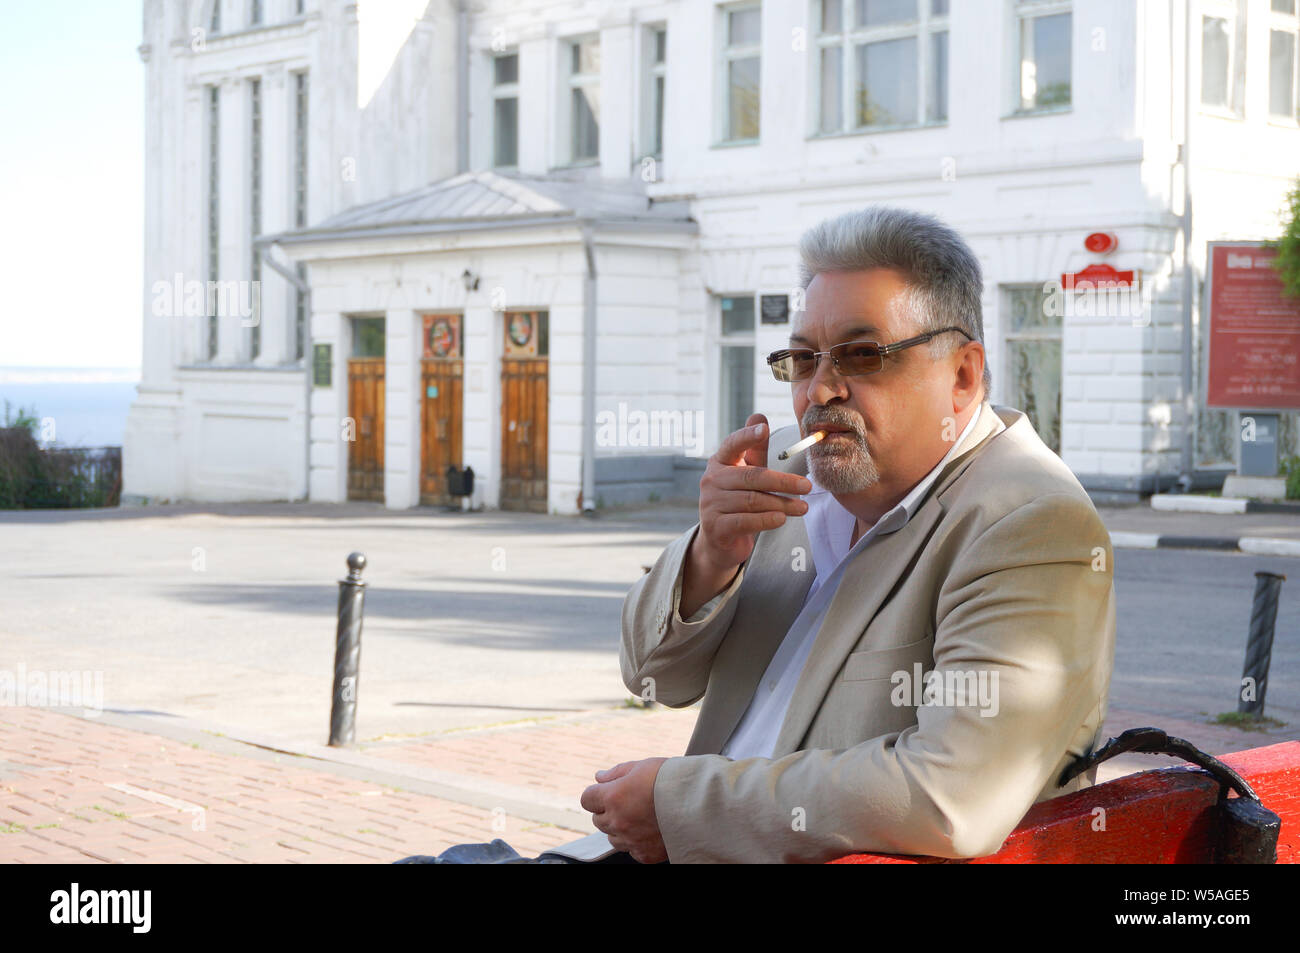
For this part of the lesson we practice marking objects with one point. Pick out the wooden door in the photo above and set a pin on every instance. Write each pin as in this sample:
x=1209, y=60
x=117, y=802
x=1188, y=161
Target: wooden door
x=366, y=408
x=523, y=434
x=442, y=384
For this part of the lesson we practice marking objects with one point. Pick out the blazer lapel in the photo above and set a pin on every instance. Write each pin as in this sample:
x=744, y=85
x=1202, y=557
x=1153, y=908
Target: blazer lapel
x=867, y=582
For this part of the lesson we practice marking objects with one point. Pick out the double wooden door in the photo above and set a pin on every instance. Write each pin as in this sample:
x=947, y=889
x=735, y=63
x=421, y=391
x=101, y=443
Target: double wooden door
x=366, y=442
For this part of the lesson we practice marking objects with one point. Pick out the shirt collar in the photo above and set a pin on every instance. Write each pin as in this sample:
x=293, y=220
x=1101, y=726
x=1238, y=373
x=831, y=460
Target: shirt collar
x=830, y=525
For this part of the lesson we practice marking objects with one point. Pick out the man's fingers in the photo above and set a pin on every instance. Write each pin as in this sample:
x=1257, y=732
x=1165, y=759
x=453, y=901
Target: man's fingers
x=753, y=437
x=610, y=774
x=756, y=454
x=754, y=501
x=730, y=526
x=593, y=799
x=759, y=478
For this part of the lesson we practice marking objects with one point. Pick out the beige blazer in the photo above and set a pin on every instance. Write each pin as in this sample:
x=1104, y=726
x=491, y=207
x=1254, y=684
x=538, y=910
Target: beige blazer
x=1000, y=582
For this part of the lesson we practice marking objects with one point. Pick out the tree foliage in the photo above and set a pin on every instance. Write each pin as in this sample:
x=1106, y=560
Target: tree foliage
x=1288, y=246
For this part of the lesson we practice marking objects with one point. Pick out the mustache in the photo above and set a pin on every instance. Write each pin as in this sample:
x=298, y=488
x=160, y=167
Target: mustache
x=837, y=418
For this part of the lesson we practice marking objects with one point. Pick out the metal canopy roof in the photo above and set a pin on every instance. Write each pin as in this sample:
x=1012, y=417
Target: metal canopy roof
x=476, y=200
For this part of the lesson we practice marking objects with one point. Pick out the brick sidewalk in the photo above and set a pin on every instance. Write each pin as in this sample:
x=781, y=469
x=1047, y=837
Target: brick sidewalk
x=73, y=790
x=558, y=757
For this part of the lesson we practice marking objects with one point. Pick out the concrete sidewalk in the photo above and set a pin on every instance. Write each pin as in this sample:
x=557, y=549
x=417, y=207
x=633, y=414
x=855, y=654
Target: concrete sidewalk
x=131, y=788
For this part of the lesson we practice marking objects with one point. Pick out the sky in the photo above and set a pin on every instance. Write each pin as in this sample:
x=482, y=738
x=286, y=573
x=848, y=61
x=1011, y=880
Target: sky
x=71, y=183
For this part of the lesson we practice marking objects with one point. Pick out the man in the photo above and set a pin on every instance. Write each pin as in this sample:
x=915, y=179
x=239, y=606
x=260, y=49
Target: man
x=902, y=635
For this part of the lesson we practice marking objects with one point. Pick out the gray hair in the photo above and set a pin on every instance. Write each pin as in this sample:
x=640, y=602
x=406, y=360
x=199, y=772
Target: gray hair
x=941, y=270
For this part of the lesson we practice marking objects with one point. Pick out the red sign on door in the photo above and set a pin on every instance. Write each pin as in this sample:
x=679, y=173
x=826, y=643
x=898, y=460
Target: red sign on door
x=1254, y=332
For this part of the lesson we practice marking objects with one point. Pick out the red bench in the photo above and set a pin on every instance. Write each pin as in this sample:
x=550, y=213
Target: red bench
x=1163, y=816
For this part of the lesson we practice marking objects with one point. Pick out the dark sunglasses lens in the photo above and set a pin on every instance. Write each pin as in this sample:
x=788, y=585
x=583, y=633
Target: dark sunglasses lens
x=793, y=365
x=859, y=359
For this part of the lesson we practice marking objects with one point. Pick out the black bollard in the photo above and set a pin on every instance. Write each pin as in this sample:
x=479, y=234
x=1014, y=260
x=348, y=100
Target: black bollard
x=347, y=654
x=1259, y=643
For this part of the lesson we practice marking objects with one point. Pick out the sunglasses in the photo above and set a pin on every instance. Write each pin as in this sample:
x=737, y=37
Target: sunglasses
x=851, y=360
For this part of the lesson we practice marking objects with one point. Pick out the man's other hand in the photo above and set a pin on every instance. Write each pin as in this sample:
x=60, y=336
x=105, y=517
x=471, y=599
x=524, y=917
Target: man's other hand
x=622, y=804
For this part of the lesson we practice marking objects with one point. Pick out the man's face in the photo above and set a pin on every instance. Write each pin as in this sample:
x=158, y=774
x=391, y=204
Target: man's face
x=888, y=429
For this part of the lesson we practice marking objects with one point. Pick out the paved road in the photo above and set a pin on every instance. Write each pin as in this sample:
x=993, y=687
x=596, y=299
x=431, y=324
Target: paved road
x=226, y=615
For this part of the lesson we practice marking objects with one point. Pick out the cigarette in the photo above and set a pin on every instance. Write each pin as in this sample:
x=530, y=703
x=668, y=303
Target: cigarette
x=802, y=445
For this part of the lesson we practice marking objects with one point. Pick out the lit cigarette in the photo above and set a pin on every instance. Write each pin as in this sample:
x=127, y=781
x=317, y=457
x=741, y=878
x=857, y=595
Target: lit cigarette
x=802, y=445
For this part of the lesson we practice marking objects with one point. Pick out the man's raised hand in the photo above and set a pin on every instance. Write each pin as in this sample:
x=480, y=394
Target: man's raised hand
x=738, y=500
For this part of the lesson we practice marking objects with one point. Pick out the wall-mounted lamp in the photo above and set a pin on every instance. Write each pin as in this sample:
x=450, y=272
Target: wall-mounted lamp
x=470, y=280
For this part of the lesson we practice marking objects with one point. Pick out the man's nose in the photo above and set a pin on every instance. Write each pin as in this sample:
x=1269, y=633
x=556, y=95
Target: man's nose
x=827, y=383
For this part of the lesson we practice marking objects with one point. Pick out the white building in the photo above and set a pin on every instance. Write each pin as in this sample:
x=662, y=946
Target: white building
x=554, y=239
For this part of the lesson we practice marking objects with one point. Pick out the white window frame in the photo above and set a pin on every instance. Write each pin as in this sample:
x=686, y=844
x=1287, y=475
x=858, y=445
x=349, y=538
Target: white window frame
x=1284, y=23
x=1022, y=10
x=725, y=54
x=504, y=91
x=723, y=340
x=1234, y=12
x=852, y=36
x=571, y=81
x=650, y=72
x=1011, y=337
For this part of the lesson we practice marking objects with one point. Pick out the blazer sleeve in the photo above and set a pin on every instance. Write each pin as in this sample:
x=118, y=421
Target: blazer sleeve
x=658, y=645
x=1030, y=603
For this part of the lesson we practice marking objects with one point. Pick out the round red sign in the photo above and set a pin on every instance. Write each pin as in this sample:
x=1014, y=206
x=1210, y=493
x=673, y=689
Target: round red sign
x=1101, y=242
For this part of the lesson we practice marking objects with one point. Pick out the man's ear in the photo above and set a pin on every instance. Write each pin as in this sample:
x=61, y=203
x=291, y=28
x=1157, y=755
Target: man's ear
x=968, y=375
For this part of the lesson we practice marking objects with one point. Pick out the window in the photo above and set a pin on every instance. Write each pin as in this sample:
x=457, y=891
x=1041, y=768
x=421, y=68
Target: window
x=584, y=98
x=254, y=12
x=736, y=362
x=214, y=22
x=505, y=110
x=1044, y=31
x=741, y=61
x=214, y=212
x=1223, y=60
x=898, y=51
x=368, y=337
x=300, y=202
x=1282, y=33
x=255, y=212
x=656, y=48
x=1033, y=343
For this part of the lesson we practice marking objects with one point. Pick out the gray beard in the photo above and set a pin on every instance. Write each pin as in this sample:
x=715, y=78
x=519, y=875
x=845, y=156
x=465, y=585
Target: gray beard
x=843, y=471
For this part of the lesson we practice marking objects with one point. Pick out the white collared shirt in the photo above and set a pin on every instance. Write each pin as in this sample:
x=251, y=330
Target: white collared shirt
x=830, y=528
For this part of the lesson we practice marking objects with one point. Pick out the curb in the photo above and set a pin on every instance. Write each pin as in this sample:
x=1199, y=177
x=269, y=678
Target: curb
x=1254, y=545
x=1193, y=503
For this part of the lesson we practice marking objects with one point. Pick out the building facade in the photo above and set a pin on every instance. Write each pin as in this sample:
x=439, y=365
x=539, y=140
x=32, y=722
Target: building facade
x=553, y=241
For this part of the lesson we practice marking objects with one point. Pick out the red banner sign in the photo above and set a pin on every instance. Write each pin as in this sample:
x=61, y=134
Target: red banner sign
x=1254, y=332
x=1096, y=276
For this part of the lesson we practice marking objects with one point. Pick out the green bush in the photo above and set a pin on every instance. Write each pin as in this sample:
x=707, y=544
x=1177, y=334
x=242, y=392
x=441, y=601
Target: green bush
x=1291, y=470
x=32, y=478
